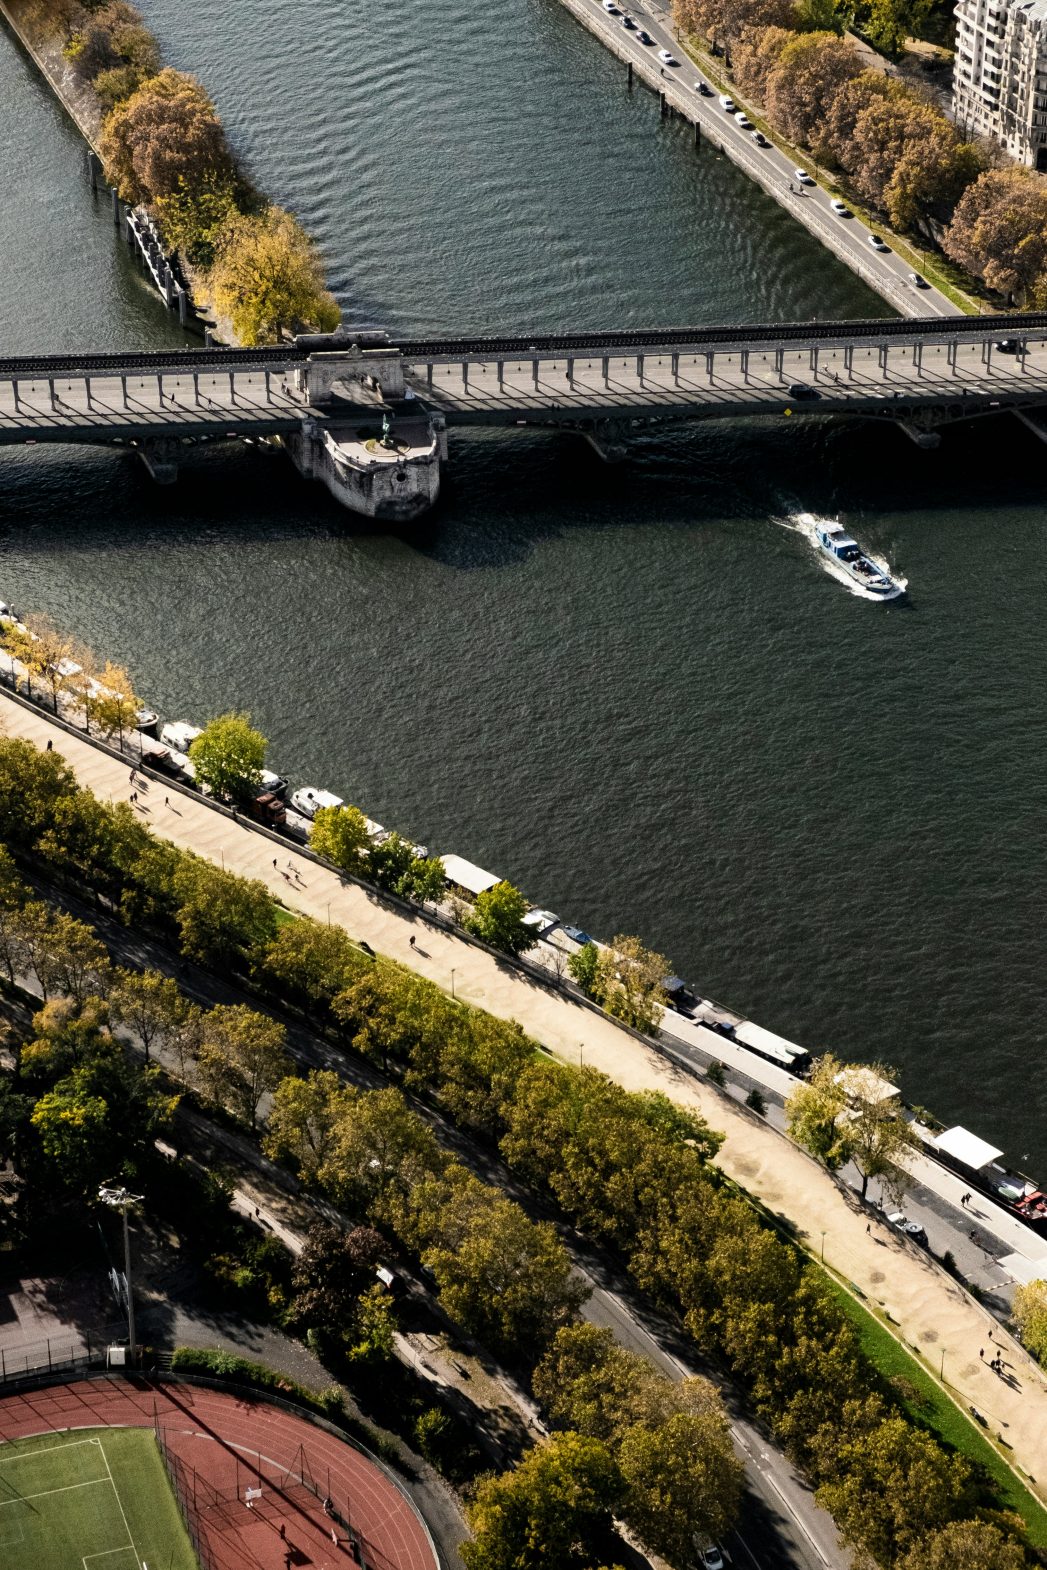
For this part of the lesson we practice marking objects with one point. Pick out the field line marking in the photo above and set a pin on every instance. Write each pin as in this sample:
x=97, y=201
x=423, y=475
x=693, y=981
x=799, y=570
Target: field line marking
x=104, y=1553
x=45, y=1493
x=116, y=1491
x=44, y=1450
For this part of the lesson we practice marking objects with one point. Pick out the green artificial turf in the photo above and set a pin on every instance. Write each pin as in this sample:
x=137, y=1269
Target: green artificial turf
x=91, y=1499
x=933, y=1408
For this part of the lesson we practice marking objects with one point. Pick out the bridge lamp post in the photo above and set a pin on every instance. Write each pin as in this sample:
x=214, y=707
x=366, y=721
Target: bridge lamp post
x=120, y=1199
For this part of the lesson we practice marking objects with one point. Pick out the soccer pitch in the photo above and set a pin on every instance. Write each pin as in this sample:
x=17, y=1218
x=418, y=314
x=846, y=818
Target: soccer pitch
x=92, y=1499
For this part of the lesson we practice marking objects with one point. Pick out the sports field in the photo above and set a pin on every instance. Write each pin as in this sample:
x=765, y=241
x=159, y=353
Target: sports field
x=92, y=1499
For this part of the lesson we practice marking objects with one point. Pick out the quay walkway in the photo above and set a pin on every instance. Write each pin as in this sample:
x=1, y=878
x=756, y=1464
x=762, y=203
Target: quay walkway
x=930, y=1311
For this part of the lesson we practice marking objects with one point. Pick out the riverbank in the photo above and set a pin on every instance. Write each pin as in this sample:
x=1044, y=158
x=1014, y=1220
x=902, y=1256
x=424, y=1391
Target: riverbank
x=80, y=103
x=771, y=168
x=927, y=1309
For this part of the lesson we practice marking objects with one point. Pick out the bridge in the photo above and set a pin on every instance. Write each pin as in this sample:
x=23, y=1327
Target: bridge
x=367, y=413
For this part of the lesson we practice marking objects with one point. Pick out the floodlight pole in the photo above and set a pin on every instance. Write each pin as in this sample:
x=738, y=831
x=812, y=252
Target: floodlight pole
x=120, y=1199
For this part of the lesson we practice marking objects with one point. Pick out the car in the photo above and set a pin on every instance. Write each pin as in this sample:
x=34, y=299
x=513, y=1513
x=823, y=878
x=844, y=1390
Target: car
x=801, y=391
x=712, y=1558
x=1008, y=346
x=728, y=104
x=644, y=36
x=610, y=7
x=760, y=139
x=909, y=1228
x=918, y=282
x=628, y=22
x=803, y=177
x=840, y=208
x=876, y=243
x=667, y=57
x=744, y=121
x=703, y=88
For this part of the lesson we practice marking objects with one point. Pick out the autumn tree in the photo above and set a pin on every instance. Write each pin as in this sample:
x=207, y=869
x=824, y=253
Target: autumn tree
x=222, y=919
x=683, y=1480
x=242, y=1057
x=150, y=1004
x=304, y=1121
x=332, y=1273
x=1030, y=1315
x=229, y=756
x=165, y=136
x=340, y=835
x=876, y=1131
x=630, y=981
x=801, y=86
x=999, y=233
x=498, y=918
x=908, y=159
x=114, y=705
x=724, y=21
x=268, y=278
x=755, y=56
x=972, y=1545
x=47, y=654
x=552, y=1511
x=813, y=1111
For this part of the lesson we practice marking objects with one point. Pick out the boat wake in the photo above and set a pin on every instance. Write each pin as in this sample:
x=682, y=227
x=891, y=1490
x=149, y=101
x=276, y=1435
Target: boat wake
x=806, y=524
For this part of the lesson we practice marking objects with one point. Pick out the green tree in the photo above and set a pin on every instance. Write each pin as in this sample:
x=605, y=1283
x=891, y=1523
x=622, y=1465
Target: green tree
x=497, y=918
x=589, y=1384
x=553, y=1511
x=584, y=966
x=340, y=836
x=890, y=22
x=304, y=1121
x=31, y=785
x=630, y=981
x=222, y=919
x=876, y=1131
x=63, y=953
x=389, y=863
x=310, y=963
x=966, y=1545
x=813, y=1112
x=242, y=1057
x=194, y=217
x=150, y=1004
x=424, y=881
x=229, y=756
x=267, y=278
x=380, y=1152
x=684, y=1482
x=1030, y=1315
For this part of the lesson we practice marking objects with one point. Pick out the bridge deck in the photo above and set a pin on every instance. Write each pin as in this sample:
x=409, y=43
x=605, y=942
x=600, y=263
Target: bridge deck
x=860, y=379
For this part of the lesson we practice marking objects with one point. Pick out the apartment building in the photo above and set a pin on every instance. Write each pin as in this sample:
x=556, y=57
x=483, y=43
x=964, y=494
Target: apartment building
x=1000, y=75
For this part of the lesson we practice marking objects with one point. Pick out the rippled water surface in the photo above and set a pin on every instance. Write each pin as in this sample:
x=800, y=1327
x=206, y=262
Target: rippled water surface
x=631, y=690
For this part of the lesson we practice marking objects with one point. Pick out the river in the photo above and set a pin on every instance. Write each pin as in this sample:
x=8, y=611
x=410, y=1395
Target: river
x=632, y=690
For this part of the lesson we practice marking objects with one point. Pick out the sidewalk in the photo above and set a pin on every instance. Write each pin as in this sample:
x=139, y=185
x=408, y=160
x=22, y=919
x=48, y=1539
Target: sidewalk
x=932, y=1312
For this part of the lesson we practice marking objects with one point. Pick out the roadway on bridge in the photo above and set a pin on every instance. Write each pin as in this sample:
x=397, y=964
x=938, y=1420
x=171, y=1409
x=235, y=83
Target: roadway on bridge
x=555, y=391
x=847, y=236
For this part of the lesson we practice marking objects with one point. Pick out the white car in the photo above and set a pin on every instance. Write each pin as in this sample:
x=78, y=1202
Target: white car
x=877, y=244
x=667, y=57
x=803, y=177
x=712, y=1558
x=610, y=7
x=728, y=104
x=744, y=121
x=840, y=208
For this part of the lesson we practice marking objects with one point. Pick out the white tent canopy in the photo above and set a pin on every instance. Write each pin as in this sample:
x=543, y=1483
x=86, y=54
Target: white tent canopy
x=466, y=876
x=967, y=1148
x=861, y=1083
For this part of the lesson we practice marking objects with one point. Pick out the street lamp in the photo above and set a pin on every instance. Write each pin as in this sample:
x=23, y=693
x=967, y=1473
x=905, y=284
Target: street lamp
x=452, y=981
x=120, y=1199
x=823, y=1246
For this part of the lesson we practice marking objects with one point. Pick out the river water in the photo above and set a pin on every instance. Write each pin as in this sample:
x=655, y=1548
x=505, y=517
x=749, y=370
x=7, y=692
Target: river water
x=631, y=690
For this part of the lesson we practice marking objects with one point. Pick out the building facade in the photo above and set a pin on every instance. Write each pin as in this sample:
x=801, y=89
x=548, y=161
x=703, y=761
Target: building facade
x=1000, y=75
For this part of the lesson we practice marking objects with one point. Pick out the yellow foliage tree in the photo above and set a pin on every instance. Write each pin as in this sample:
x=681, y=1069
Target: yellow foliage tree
x=267, y=278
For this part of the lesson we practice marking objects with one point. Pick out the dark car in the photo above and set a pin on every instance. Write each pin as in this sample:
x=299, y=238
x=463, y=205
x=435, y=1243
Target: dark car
x=1008, y=346
x=644, y=37
x=705, y=90
x=760, y=139
x=627, y=21
x=801, y=390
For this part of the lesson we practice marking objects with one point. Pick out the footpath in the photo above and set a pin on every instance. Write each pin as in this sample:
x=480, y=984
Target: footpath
x=930, y=1311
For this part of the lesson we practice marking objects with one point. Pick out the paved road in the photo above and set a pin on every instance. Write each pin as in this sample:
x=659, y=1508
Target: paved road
x=849, y=237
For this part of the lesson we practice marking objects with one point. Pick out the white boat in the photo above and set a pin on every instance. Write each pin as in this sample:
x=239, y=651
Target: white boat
x=177, y=734
x=308, y=801
x=834, y=541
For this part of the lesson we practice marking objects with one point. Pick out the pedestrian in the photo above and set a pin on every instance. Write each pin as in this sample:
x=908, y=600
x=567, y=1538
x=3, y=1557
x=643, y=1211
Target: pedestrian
x=413, y=940
x=50, y=744
x=132, y=776
x=166, y=802
x=334, y=1536
x=274, y=863
x=981, y=1353
x=283, y=1529
x=868, y=1226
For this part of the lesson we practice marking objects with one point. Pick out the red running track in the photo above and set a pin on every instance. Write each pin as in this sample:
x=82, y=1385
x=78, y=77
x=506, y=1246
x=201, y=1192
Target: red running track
x=235, y=1443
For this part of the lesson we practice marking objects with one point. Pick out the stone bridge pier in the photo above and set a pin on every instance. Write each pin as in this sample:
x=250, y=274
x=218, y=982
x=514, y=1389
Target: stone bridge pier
x=367, y=375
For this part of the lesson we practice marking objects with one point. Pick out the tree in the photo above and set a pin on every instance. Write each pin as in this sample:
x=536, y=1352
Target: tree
x=114, y=706
x=424, y=881
x=630, y=982
x=31, y=785
x=340, y=835
x=63, y=953
x=1030, y=1315
x=194, y=217
x=46, y=654
x=684, y=1482
x=389, y=863
x=584, y=965
x=242, y=1056
x=725, y=21
x=331, y=1274
x=972, y=1545
x=814, y=1109
x=167, y=135
x=506, y=1278
x=311, y=962
x=497, y=918
x=149, y=1003
x=809, y=72
x=304, y=1120
x=824, y=16
x=551, y=1512
x=222, y=919
x=999, y=233
x=890, y=22
x=229, y=756
x=589, y=1384
x=907, y=158
x=876, y=1131
x=380, y=1151
x=267, y=278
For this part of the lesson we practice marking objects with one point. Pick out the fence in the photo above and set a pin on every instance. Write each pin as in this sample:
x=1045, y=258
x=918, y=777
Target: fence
x=52, y=1355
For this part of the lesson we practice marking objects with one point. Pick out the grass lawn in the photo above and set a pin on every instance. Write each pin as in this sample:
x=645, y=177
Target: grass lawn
x=93, y=1499
x=935, y=1409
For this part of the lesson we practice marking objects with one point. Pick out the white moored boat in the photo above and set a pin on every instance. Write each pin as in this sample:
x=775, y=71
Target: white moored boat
x=845, y=553
x=307, y=801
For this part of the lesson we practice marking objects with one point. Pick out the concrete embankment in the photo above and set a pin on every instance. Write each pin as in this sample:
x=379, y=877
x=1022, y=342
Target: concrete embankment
x=929, y=1310
x=78, y=100
x=681, y=99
